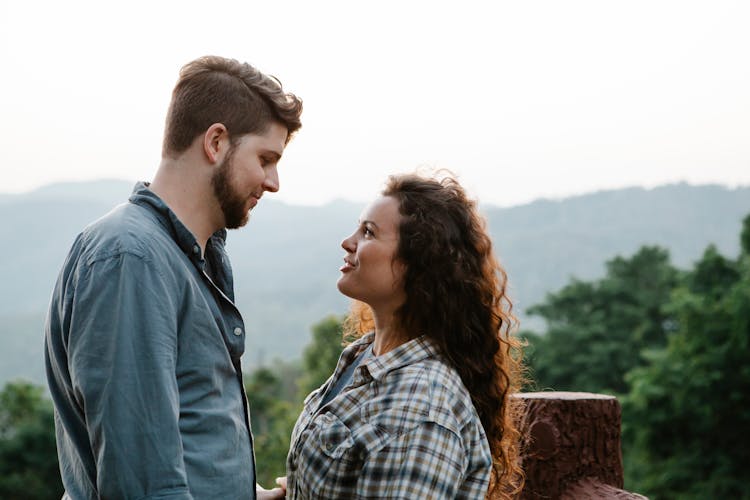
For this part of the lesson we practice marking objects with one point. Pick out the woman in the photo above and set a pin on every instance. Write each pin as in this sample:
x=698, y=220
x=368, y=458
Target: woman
x=418, y=407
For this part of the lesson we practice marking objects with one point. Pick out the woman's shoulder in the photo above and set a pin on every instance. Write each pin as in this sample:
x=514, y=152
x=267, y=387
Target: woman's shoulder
x=447, y=388
x=434, y=389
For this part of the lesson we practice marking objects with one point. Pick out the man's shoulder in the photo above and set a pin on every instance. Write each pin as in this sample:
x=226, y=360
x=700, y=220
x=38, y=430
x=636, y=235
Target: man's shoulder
x=126, y=229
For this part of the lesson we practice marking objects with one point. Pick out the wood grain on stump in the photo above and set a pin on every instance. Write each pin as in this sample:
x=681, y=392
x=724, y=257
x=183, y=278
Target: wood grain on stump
x=572, y=446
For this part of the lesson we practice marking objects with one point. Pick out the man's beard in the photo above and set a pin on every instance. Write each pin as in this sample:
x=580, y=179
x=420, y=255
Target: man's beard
x=233, y=204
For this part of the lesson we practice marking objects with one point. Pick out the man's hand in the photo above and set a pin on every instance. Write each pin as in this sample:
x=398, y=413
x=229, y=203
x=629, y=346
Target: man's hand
x=264, y=494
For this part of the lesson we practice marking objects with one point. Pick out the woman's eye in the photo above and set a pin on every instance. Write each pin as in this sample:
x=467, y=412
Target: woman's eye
x=366, y=231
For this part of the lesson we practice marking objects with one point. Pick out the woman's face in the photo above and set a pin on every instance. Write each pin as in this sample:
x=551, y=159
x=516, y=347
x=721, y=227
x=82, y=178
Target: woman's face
x=371, y=273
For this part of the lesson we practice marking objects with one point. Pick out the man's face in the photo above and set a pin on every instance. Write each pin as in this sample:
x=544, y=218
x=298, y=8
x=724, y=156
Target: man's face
x=248, y=170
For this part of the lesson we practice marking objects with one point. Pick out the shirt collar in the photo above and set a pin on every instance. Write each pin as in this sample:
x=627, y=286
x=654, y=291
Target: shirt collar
x=149, y=200
x=407, y=353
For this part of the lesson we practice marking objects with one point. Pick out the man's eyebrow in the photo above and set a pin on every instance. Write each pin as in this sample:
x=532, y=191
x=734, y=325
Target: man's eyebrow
x=272, y=154
x=367, y=221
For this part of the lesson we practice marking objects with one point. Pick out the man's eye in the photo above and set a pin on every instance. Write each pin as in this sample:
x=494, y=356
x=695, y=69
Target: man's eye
x=366, y=231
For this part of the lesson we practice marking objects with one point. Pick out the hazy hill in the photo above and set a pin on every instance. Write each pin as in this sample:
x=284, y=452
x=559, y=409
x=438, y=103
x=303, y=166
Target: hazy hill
x=286, y=261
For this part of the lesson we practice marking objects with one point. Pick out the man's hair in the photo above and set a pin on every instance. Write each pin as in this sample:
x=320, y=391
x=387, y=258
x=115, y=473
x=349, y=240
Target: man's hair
x=214, y=89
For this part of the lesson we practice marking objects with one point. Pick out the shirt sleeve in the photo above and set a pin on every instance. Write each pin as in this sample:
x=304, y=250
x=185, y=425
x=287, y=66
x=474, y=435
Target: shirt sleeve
x=122, y=354
x=427, y=462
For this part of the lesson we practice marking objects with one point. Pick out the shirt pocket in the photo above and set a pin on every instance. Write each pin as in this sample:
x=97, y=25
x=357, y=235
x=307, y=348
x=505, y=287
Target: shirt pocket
x=328, y=464
x=335, y=438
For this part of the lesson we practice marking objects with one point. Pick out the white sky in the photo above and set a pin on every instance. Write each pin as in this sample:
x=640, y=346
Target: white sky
x=522, y=99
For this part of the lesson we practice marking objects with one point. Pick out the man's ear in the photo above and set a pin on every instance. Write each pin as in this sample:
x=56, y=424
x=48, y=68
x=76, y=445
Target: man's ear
x=216, y=142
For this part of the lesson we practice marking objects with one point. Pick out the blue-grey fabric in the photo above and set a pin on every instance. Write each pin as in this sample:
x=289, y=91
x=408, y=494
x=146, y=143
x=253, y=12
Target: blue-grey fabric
x=346, y=376
x=143, y=354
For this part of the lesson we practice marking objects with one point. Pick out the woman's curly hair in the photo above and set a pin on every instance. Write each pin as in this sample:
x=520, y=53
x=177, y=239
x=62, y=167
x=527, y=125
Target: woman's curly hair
x=456, y=295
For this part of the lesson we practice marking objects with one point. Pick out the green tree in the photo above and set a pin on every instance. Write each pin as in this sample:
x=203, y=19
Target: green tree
x=28, y=454
x=689, y=409
x=321, y=355
x=273, y=414
x=275, y=402
x=597, y=330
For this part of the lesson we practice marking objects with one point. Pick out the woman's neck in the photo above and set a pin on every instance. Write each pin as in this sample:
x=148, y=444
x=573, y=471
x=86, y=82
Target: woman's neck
x=387, y=335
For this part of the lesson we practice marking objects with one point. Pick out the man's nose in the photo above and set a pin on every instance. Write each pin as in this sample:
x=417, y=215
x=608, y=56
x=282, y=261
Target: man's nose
x=271, y=182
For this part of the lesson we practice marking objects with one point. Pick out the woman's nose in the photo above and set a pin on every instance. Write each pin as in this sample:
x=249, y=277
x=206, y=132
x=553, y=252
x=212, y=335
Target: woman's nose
x=349, y=244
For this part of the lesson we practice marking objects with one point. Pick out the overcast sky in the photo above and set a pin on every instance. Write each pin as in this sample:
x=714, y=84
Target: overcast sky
x=522, y=99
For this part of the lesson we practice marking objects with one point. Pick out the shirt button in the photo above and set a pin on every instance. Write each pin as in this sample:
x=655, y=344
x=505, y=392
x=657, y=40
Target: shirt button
x=196, y=249
x=329, y=447
x=238, y=331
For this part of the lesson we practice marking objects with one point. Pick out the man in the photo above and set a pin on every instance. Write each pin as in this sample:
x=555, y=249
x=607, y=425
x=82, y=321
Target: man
x=143, y=339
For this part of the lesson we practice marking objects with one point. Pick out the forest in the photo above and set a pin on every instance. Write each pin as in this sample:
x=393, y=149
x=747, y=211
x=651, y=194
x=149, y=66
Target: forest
x=672, y=344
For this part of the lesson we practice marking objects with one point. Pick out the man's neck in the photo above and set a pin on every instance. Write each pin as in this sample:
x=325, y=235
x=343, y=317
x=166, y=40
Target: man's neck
x=186, y=190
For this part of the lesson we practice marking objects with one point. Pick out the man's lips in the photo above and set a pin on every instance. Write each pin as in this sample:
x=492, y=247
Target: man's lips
x=254, y=201
x=348, y=266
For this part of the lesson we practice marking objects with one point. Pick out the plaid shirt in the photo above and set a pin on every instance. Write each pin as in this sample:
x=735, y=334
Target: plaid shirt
x=404, y=427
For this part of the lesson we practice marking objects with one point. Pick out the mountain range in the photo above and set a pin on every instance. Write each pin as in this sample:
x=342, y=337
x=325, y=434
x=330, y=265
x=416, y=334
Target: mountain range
x=286, y=260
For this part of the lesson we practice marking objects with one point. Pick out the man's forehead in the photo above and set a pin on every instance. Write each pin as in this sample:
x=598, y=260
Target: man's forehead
x=272, y=141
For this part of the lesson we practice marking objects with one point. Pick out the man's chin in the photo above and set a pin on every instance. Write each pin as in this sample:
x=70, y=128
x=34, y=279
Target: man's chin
x=238, y=222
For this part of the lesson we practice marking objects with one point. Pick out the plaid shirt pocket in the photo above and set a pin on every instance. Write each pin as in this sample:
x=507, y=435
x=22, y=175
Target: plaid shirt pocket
x=335, y=438
x=327, y=461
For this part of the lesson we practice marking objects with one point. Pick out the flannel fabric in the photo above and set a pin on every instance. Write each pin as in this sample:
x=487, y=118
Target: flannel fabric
x=404, y=427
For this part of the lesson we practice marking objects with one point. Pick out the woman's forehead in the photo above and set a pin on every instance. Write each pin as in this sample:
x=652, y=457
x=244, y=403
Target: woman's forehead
x=383, y=212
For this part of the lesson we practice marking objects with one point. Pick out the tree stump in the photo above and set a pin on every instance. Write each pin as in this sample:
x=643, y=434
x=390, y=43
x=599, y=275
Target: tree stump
x=571, y=446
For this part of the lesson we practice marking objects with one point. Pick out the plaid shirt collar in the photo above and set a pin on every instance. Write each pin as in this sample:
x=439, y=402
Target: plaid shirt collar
x=377, y=367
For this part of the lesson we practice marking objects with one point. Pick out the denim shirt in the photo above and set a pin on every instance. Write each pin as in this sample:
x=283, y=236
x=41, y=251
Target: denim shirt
x=143, y=344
